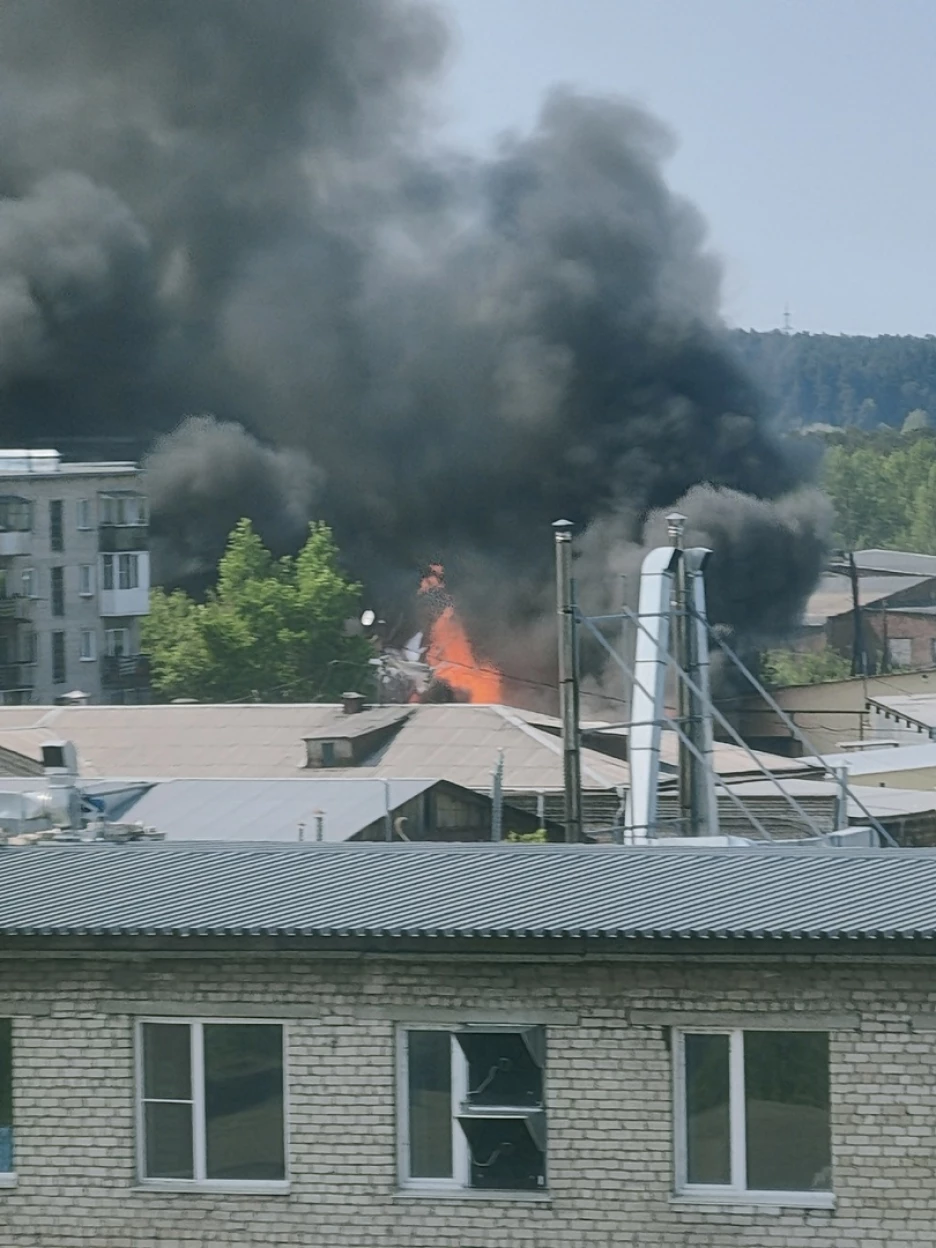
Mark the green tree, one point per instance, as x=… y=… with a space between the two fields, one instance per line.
x=793 y=667
x=271 y=630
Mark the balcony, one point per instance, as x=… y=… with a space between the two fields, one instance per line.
x=15 y=676
x=125 y=671
x=14 y=542
x=14 y=607
x=117 y=538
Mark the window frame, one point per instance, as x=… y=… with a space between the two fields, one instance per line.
x=735 y=1193
x=83 y=517
x=128 y=569
x=200 y=1183
x=91 y=655
x=460 y=1182
x=59 y=671
x=8 y=1178
x=86 y=580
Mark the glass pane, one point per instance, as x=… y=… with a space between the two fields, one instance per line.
x=502 y=1068
x=167 y=1062
x=168 y=1140
x=708 y=1127
x=786 y=1094
x=6 y=1094
x=430 y=1104
x=244 y=1101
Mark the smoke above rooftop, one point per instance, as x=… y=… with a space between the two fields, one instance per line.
x=242 y=209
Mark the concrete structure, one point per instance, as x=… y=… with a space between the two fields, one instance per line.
x=905 y=717
x=338 y=1018
x=828 y=714
x=74 y=579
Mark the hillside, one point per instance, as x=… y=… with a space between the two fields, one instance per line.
x=837 y=380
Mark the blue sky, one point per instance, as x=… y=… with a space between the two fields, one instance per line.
x=806 y=130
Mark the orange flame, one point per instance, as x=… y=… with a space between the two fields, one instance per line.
x=450 y=653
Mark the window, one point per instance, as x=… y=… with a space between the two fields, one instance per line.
x=123 y=509
x=899 y=651
x=85 y=580
x=84 y=513
x=752 y=1113
x=29 y=583
x=212 y=1102
x=56 y=536
x=58 y=591
x=107 y=577
x=128 y=571
x=6 y=1096
x=15 y=514
x=88 y=645
x=58 y=658
x=473 y=1108
x=29 y=646
x=117 y=642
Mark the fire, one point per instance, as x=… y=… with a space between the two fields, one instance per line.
x=450 y=653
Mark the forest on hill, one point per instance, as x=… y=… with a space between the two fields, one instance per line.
x=828 y=379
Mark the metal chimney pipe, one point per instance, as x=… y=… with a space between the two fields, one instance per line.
x=688 y=823
x=568 y=682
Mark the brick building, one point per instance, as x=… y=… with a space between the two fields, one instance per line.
x=502 y=1047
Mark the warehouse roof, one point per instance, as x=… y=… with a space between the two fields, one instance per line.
x=269 y=810
x=466 y=891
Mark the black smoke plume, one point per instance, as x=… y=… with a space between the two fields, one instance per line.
x=236 y=207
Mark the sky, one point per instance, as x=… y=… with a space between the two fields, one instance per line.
x=806 y=134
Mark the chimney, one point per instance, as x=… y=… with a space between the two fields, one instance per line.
x=353 y=703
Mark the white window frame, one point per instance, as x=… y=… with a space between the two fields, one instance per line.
x=30 y=583
x=460 y=1181
x=128 y=563
x=108 y=582
x=83 y=517
x=91 y=654
x=200 y=1183
x=109 y=647
x=736 y=1192
x=86 y=580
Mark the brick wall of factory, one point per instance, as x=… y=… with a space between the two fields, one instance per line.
x=610 y=1151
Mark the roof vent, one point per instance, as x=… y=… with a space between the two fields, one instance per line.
x=353 y=703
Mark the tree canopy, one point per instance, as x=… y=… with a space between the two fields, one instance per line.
x=883 y=488
x=271 y=630
x=841 y=380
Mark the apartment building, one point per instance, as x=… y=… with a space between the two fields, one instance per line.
x=74 y=579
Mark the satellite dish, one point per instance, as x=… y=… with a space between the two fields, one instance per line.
x=368 y=618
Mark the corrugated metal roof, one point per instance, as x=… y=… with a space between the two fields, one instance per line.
x=457 y=742
x=268 y=810
x=899 y=562
x=398 y=891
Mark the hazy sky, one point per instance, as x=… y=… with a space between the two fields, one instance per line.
x=806 y=129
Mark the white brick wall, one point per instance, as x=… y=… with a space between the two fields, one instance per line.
x=608 y=1089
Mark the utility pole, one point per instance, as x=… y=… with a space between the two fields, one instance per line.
x=568 y=682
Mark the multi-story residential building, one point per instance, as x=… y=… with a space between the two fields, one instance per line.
x=74 y=579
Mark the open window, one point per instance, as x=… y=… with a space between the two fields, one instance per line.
x=474 y=1108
